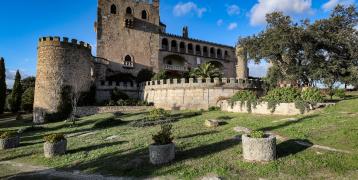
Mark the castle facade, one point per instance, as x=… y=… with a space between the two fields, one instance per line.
x=130 y=37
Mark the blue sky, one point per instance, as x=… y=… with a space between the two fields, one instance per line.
x=24 y=21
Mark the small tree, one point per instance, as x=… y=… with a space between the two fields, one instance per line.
x=2 y=85
x=28 y=99
x=144 y=75
x=28 y=82
x=16 y=94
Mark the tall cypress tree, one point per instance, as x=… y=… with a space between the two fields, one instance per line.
x=16 y=93
x=2 y=85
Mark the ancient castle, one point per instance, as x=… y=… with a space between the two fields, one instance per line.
x=130 y=37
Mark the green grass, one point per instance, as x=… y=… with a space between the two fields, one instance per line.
x=201 y=150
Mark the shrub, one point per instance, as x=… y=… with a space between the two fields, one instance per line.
x=247 y=97
x=160 y=75
x=312 y=95
x=341 y=93
x=54 y=138
x=117 y=95
x=107 y=122
x=214 y=108
x=164 y=136
x=257 y=134
x=282 y=95
x=28 y=99
x=8 y=134
x=144 y=75
x=156 y=114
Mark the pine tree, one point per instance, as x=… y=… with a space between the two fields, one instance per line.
x=16 y=93
x=2 y=85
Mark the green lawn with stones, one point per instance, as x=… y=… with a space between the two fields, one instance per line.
x=122 y=148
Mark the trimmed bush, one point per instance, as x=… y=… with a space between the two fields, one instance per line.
x=156 y=114
x=257 y=134
x=54 y=138
x=312 y=95
x=164 y=136
x=8 y=134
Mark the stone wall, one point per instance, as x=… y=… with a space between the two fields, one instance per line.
x=105 y=88
x=194 y=94
x=92 y=110
x=60 y=63
x=288 y=109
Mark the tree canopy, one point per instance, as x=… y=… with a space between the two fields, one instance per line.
x=323 y=51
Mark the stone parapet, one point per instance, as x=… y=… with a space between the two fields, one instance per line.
x=57 y=41
x=231 y=83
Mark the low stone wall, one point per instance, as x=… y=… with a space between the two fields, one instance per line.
x=261 y=108
x=194 y=94
x=92 y=110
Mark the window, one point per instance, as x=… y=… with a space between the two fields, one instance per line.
x=174 y=46
x=190 y=48
x=205 y=51
x=129 y=10
x=165 y=44
x=227 y=54
x=144 y=14
x=212 y=52
x=198 y=50
x=113 y=9
x=182 y=47
x=128 y=58
x=219 y=54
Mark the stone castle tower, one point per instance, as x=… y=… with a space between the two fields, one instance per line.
x=60 y=63
x=128 y=34
x=242 y=70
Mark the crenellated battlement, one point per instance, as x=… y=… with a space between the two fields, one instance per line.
x=57 y=41
x=231 y=83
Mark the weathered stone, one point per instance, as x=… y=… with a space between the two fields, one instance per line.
x=259 y=149
x=8 y=143
x=212 y=123
x=55 y=149
x=110 y=138
x=161 y=154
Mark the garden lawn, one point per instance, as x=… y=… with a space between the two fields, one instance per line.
x=200 y=150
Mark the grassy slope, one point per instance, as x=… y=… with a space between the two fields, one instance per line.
x=202 y=150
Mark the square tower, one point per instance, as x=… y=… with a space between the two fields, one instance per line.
x=128 y=34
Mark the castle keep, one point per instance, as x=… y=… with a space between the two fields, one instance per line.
x=130 y=37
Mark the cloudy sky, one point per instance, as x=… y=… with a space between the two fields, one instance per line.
x=24 y=21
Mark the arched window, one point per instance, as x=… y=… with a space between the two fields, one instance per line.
x=182 y=47
x=212 y=52
x=128 y=58
x=219 y=54
x=198 y=50
x=144 y=14
x=128 y=62
x=113 y=9
x=174 y=46
x=165 y=44
x=205 y=51
x=227 y=54
x=129 y=10
x=190 y=48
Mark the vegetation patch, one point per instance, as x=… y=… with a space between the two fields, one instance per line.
x=164 y=136
x=54 y=138
x=245 y=97
x=8 y=134
x=107 y=123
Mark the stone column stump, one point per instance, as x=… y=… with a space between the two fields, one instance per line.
x=259 y=149
x=55 y=149
x=11 y=142
x=161 y=154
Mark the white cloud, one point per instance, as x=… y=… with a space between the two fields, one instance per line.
x=232 y=26
x=233 y=10
x=263 y=7
x=182 y=9
x=333 y=3
x=220 y=22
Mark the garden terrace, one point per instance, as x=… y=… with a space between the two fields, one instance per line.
x=120 y=149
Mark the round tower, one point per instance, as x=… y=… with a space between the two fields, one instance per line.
x=242 y=70
x=60 y=63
